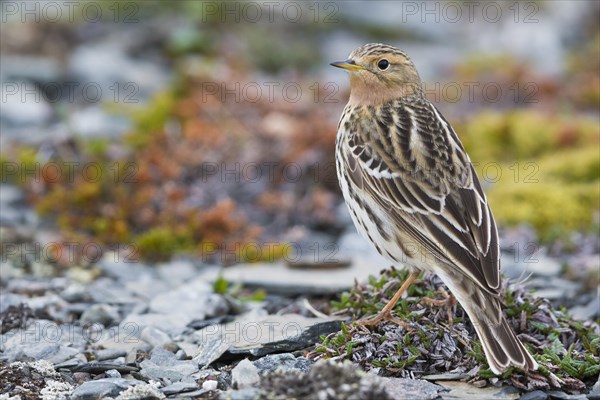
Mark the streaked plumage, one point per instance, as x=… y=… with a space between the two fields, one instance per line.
x=412 y=191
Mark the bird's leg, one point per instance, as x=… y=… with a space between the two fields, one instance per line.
x=385 y=313
x=448 y=302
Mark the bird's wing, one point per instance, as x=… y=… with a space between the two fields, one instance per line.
x=415 y=167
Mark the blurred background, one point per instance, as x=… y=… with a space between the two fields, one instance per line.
x=206 y=130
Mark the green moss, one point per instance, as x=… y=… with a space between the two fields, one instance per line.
x=421 y=341
x=159 y=244
x=151 y=118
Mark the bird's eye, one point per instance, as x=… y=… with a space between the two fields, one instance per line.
x=383 y=64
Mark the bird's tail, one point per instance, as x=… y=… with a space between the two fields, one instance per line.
x=501 y=346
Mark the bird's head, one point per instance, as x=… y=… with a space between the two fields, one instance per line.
x=379 y=73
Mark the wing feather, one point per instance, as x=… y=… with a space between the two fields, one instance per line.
x=430 y=189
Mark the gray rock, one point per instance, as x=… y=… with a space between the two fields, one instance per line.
x=179 y=387
x=72 y=363
x=30 y=68
x=260 y=335
x=594 y=395
x=194 y=299
x=75 y=292
x=10 y=299
x=212 y=347
x=535 y=395
x=25 y=113
x=93 y=121
x=244 y=375
x=10 y=195
x=39 y=341
x=106 y=290
x=112 y=373
x=107 y=63
x=177 y=272
x=120 y=269
x=242 y=394
x=352 y=244
x=99 y=367
x=285 y=362
x=101 y=388
x=565 y=396
x=173 y=323
x=586 y=312
x=542 y=265
x=466 y=391
x=103 y=314
x=154 y=336
x=403 y=388
x=124 y=338
x=554 y=288
x=109 y=354
x=163 y=365
x=278 y=278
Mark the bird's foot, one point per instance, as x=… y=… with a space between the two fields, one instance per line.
x=381 y=317
x=449 y=301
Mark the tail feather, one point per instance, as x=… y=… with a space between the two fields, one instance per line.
x=502 y=348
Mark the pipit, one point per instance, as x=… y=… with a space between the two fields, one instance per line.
x=412 y=191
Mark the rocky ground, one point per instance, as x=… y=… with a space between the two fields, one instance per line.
x=118 y=329
x=90 y=323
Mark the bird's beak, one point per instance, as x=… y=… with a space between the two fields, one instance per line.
x=349 y=65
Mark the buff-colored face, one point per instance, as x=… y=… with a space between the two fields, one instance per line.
x=379 y=72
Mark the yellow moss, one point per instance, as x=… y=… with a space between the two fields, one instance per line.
x=580 y=165
x=520 y=134
x=160 y=244
x=553 y=209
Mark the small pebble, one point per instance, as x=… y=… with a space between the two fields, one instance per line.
x=209 y=385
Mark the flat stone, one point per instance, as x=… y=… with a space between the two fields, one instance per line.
x=242 y=394
x=409 y=389
x=10 y=195
x=101 y=388
x=594 y=395
x=120 y=269
x=103 y=366
x=195 y=300
x=178 y=387
x=154 y=336
x=112 y=373
x=444 y=377
x=260 y=335
x=174 y=323
x=109 y=354
x=278 y=278
x=586 y=312
x=285 y=362
x=466 y=391
x=163 y=365
x=103 y=314
x=210 y=385
x=535 y=395
x=212 y=347
x=566 y=396
x=244 y=375
x=177 y=272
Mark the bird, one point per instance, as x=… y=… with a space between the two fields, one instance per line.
x=412 y=191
